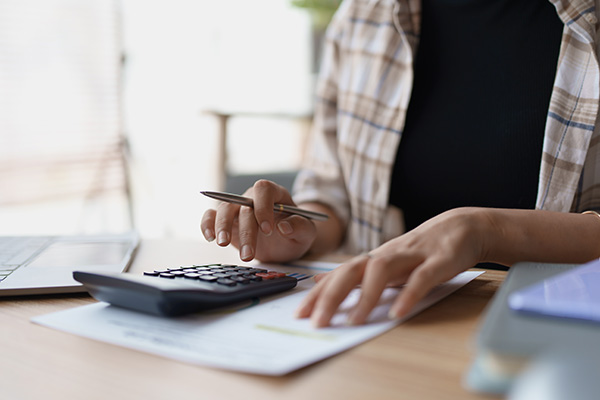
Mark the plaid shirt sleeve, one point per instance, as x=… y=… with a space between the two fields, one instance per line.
x=570 y=170
x=321 y=179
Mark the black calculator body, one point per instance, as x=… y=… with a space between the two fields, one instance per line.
x=184 y=290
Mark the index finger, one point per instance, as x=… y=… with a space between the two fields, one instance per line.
x=335 y=288
x=207 y=224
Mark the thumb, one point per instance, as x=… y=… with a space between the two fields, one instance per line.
x=296 y=228
x=321 y=276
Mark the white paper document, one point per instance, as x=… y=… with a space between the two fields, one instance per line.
x=260 y=337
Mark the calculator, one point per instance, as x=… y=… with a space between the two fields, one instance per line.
x=184 y=290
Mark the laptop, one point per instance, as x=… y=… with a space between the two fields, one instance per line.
x=32 y=265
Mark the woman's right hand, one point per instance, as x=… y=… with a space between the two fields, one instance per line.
x=260 y=232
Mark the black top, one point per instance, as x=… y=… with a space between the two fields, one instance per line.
x=484 y=72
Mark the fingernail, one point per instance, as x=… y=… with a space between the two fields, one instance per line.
x=314 y=318
x=352 y=319
x=397 y=313
x=285 y=228
x=246 y=253
x=223 y=238
x=209 y=235
x=317 y=320
x=265 y=227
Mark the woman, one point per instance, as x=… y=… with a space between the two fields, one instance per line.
x=467 y=124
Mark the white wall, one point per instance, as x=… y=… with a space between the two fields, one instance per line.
x=182 y=57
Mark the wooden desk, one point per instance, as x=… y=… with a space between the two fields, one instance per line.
x=424 y=358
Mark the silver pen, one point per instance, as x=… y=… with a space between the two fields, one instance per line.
x=247 y=201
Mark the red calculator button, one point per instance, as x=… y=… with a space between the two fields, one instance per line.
x=265 y=275
x=276 y=274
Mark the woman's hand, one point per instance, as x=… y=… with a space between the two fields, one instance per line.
x=431 y=254
x=259 y=232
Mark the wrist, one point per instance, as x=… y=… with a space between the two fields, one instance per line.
x=492 y=232
x=486 y=228
x=509 y=236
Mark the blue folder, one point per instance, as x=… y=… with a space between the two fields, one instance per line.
x=571 y=294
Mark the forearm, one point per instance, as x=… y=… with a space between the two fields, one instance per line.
x=543 y=236
x=330 y=233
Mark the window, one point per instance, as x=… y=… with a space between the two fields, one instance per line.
x=62 y=166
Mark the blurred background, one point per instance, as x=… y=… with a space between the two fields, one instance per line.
x=115 y=113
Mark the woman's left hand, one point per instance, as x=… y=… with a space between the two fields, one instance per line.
x=431 y=254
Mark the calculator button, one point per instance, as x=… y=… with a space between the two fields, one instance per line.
x=240 y=279
x=151 y=273
x=167 y=275
x=175 y=269
x=265 y=275
x=220 y=275
x=177 y=273
x=225 y=281
x=160 y=271
x=257 y=270
x=208 y=278
x=191 y=275
x=276 y=274
x=190 y=270
x=205 y=272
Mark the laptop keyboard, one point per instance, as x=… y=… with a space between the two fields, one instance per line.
x=17 y=250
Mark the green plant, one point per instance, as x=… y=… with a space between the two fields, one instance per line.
x=321 y=10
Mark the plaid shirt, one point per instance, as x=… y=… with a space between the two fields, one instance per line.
x=363 y=94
